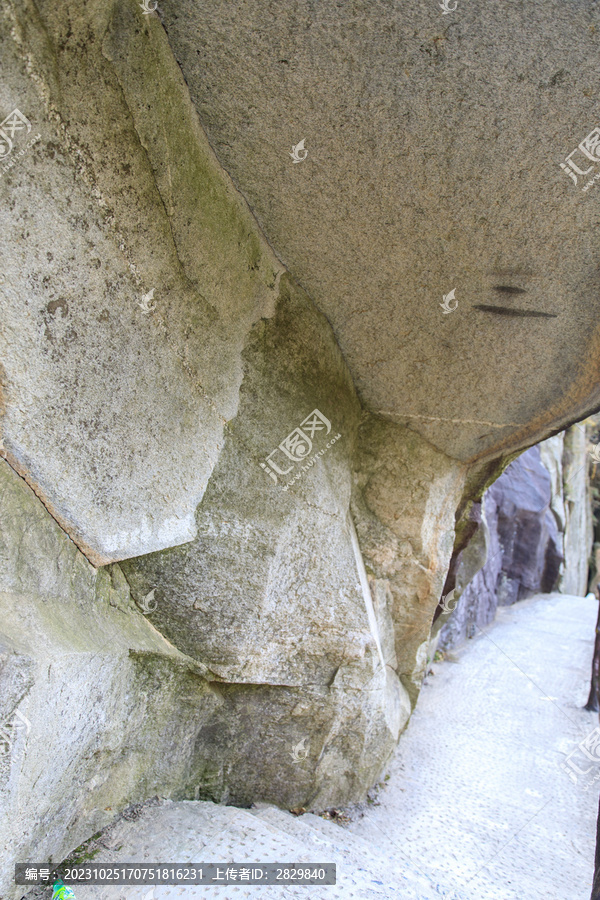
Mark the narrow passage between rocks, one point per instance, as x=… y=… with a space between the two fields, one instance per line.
x=479 y=803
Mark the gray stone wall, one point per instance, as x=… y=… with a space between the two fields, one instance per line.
x=534 y=535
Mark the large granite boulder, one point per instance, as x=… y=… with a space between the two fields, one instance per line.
x=435 y=145
x=229 y=373
x=256 y=598
x=114 y=404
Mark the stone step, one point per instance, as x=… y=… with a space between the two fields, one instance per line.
x=334 y=843
x=200 y=831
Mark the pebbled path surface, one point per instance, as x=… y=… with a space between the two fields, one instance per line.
x=477 y=796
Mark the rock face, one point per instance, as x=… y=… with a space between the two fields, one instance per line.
x=96 y=706
x=534 y=535
x=517 y=506
x=429 y=140
x=406 y=530
x=114 y=405
x=306 y=654
x=228 y=398
x=568 y=461
x=100 y=710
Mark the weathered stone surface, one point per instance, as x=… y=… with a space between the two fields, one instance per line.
x=255 y=598
x=155 y=721
x=576 y=501
x=519 y=507
x=469 y=601
x=115 y=415
x=406 y=530
x=98 y=708
x=476 y=724
x=314 y=746
x=253 y=601
x=431 y=140
x=173 y=438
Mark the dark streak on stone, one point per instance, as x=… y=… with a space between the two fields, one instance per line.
x=507 y=289
x=521 y=313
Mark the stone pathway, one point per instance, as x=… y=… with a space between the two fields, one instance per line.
x=477 y=796
x=477 y=805
x=196 y=831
